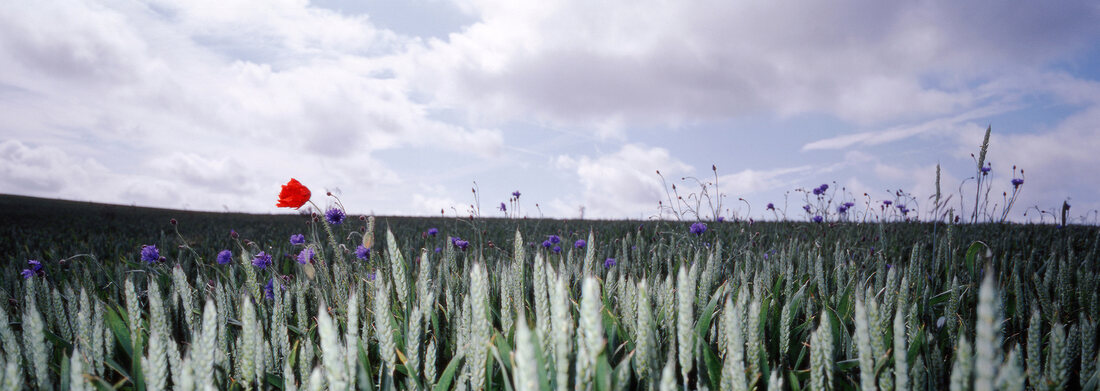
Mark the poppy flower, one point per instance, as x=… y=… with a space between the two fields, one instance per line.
x=293 y=195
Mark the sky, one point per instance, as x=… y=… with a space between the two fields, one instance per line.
x=405 y=107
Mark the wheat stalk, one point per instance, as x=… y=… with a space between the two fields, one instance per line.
x=590 y=338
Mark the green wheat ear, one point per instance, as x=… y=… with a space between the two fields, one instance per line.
x=985 y=147
x=937 y=205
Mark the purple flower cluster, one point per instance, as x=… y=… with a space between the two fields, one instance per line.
x=821 y=189
x=461 y=244
x=608 y=263
x=225 y=257
x=261 y=260
x=150 y=254
x=335 y=216
x=269 y=289
x=770 y=206
x=555 y=239
x=305 y=256
x=503 y=208
x=580 y=244
x=433 y=231
x=806 y=208
x=887 y=202
x=988 y=167
x=515 y=194
x=556 y=249
x=297 y=239
x=818 y=219
x=362 y=253
x=34 y=269
x=903 y=209
x=698 y=228
x=1016 y=182
x=843 y=208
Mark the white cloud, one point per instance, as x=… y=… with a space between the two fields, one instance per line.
x=1059 y=163
x=750 y=182
x=223 y=97
x=623 y=183
x=425 y=205
x=46 y=171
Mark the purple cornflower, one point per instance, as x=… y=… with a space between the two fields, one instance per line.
x=304 y=256
x=269 y=289
x=149 y=253
x=818 y=219
x=986 y=169
x=770 y=206
x=225 y=257
x=556 y=249
x=721 y=218
x=503 y=208
x=34 y=269
x=515 y=194
x=887 y=202
x=335 y=216
x=608 y=263
x=433 y=231
x=1016 y=182
x=580 y=244
x=903 y=209
x=806 y=208
x=842 y=209
x=262 y=260
x=698 y=228
x=849 y=204
x=297 y=239
x=555 y=239
x=362 y=253
x=437 y=250
x=461 y=244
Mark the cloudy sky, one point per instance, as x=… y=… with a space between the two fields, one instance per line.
x=400 y=106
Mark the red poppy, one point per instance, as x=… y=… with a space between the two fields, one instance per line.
x=293 y=195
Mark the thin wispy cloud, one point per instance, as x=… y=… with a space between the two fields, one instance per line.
x=940 y=125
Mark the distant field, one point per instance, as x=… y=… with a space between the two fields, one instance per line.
x=537 y=304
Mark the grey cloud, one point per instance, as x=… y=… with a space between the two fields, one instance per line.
x=863 y=61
